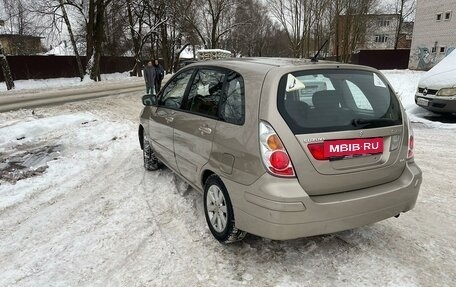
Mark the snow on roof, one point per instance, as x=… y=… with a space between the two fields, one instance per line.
x=210 y=54
x=441 y=75
x=213 y=51
x=62 y=49
x=186 y=53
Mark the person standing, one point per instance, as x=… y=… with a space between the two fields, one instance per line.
x=159 y=74
x=149 y=77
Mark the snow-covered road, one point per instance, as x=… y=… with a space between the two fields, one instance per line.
x=92 y=216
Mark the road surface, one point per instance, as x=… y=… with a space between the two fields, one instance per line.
x=111 y=223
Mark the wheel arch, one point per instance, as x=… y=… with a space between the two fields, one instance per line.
x=205 y=175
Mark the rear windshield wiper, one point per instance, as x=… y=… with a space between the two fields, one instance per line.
x=363 y=121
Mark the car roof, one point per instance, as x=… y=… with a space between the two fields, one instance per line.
x=262 y=65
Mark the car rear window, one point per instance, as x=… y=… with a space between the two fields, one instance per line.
x=335 y=100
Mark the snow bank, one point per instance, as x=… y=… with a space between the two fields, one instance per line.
x=61 y=82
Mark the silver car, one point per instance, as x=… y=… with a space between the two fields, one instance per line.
x=437 y=87
x=284 y=148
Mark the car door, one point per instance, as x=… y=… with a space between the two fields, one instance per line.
x=162 y=117
x=194 y=126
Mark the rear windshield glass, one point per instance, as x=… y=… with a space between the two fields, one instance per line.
x=336 y=100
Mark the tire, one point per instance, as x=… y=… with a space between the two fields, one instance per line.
x=151 y=162
x=219 y=212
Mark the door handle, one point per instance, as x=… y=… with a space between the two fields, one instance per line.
x=205 y=130
x=169 y=119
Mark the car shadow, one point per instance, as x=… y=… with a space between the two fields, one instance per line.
x=447 y=118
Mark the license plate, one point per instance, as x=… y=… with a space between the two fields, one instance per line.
x=422 y=102
x=353 y=147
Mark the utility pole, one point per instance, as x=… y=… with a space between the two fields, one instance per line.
x=6 y=70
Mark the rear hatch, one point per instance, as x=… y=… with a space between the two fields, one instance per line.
x=346 y=127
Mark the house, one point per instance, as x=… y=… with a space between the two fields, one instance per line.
x=434 y=34
x=375 y=32
x=381 y=30
x=18 y=45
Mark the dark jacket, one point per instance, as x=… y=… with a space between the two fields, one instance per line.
x=149 y=75
x=159 y=71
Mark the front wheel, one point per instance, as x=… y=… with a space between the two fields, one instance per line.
x=219 y=212
x=150 y=160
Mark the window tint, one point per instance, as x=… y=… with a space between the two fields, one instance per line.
x=233 y=102
x=205 y=92
x=175 y=90
x=348 y=100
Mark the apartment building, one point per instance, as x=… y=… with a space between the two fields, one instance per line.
x=434 y=34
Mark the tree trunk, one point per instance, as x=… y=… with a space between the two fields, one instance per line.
x=399 y=26
x=73 y=41
x=137 y=71
x=98 y=40
x=6 y=70
x=89 y=32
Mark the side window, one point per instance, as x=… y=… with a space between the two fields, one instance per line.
x=175 y=90
x=232 y=108
x=359 y=98
x=205 y=92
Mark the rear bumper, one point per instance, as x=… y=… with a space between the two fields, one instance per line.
x=280 y=209
x=435 y=103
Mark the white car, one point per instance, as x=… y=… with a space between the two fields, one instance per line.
x=437 y=88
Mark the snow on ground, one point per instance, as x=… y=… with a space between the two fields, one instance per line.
x=95 y=217
x=21 y=85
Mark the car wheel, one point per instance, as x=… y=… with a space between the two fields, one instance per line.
x=151 y=162
x=219 y=212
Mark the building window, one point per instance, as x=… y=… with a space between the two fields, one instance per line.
x=383 y=22
x=442 y=49
x=448 y=15
x=433 y=50
x=439 y=17
x=381 y=38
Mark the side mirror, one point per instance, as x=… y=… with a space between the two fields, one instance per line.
x=149 y=100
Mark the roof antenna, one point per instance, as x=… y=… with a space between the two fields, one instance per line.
x=314 y=59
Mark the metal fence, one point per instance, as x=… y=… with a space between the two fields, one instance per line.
x=381 y=59
x=45 y=67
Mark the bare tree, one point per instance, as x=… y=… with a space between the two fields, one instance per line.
x=249 y=37
x=351 y=25
x=290 y=14
x=17 y=17
x=72 y=39
x=54 y=12
x=404 y=9
x=6 y=70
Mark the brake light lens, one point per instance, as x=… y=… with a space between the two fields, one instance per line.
x=274 y=155
x=318 y=151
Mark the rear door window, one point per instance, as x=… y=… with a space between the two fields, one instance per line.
x=336 y=100
x=232 y=106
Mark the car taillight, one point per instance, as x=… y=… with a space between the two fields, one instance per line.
x=318 y=151
x=411 y=142
x=273 y=153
